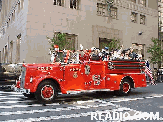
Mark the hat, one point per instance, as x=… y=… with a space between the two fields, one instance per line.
x=103 y=50
x=93 y=49
x=56 y=47
x=106 y=48
x=81 y=47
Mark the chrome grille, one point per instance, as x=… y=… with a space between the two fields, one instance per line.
x=22 y=81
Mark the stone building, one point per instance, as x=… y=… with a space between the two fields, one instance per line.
x=25 y=24
x=160 y=15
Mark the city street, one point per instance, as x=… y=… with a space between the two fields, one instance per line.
x=79 y=46
x=78 y=108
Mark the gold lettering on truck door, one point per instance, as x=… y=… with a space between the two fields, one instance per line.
x=75 y=75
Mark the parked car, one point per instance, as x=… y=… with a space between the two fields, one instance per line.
x=9 y=72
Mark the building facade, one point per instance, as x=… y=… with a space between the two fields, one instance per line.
x=160 y=23
x=25 y=25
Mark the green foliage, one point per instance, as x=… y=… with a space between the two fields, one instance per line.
x=60 y=40
x=112 y=44
x=155 y=51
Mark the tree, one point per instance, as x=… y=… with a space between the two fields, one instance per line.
x=60 y=40
x=155 y=51
x=112 y=44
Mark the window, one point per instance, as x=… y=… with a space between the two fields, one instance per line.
x=18 y=48
x=161 y=29
x=22 y=4
x=8 y=20
x=58 y=2
x=11 y=50
x=74 y=4
x=103 y=42
x=3 y=53
x=114 y=12
x=6 y=54
x=18 y=6
x=0 y=5
x=70 y=40
x=3 y=31
x=13 y=16
x=7 y=24
x=161 y=22
x=134 y=17
x=142 y=2
x=142 y=19
x=0 y=57
x=133 y=1
x=102 y=9
x=159 y=14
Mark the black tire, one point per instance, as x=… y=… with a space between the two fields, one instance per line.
x=31 y=95
x=125 y=88
x=46 y=92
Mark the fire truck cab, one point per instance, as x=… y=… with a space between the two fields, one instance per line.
x=45 y=81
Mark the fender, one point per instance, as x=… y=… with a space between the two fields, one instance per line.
x=138 y=79
x=132 y=79
x=40 y=78
x=113 y=81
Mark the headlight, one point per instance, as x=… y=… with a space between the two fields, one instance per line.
x=20 y=77
x=16 y=81
x=31 y=80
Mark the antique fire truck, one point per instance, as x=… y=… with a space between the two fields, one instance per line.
x=45 y=81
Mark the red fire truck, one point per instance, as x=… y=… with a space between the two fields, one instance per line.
x=45 y=81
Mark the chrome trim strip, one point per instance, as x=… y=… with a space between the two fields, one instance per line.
x=133 y=73
x=87 y=91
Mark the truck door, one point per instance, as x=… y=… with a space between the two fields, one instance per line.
x=73 y=77
x=94 y=75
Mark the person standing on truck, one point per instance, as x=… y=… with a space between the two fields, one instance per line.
x=119 y=52
x=132 y=54
x=126 y=54
x=105 y=54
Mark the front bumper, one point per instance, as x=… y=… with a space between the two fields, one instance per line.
x=21 y=90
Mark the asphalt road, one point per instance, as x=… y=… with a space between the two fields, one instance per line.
x=14 y=107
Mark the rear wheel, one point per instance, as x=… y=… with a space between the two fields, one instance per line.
x=46 y=92
x=125 y=88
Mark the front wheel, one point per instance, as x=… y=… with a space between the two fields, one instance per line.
x=125 y=88
x=46 y=92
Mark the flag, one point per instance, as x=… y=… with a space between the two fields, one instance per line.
x=148 y=70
